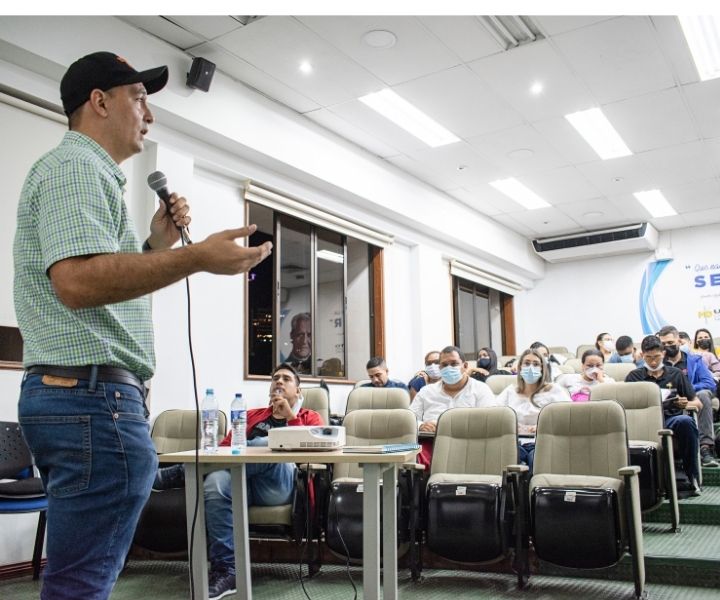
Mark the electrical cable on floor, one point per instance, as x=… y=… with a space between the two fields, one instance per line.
x=347 y=554
x=304 y=545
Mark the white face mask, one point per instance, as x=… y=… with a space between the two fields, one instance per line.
x=609 y=345
x=433 y=371
x=591 y=372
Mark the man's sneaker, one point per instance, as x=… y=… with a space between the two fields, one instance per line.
x=167 y=478
x=706 y=457
x=221 y=584
x=695 y=488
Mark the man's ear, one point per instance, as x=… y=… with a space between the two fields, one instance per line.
x=98 y=102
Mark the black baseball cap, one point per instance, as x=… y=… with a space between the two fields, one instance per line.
x=104 y=70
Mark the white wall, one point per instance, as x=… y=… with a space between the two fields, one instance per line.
x=577 y=300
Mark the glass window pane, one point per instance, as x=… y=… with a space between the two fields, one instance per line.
x=466 y=328
x=295 y=330
x=260 y=297
x=358 y=328
x=482 y=322
x=330 y=313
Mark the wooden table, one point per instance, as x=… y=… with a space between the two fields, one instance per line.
x=373 y=465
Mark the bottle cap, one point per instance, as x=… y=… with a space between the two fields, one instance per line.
x=238 y=395
x=209 y=391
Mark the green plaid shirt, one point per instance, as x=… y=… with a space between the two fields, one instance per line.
x=72 y=205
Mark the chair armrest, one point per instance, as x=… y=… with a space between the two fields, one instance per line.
x=413 y=467
x=629 y=471
x=518 y=468
x=313 y=467
x=665 y=432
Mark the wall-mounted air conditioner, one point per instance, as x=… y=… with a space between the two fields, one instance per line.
x=641 y=237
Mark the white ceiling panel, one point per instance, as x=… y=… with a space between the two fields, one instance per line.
x=475 y=201
x=511 y=222
x=703 y=100
x=458 y=100
x=712 y=151
x=701 y=217
x=652 y=121
x=511 y=74
x=628 y=207
x=565 y=140
x=618 y=59
x=436 y=178
x=334 y=79
x=519 y=150
x=209 y=27
x=552 y=25
x=667 y=223
x=252 y=76
x=594 y=213
x=546 y=221
x=165 y=30
x=675 y=49
x=417 y=51
x=678 y=164
x=559 y=186
x=699 y=195
x=350 y=132
x=624 y=175
x=464 y=35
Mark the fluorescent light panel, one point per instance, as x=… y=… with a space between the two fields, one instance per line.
x=655 y=203
x=597 y=131
x=405 y=115
x=523 y=195
x=703 y=38
x=335 y=257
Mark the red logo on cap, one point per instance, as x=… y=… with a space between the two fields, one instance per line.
x=122 y=60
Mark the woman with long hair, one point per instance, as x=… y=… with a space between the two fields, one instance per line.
x=593 y=372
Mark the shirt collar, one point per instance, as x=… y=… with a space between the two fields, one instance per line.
x=75 y=138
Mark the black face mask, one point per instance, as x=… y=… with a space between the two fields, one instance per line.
x=704 y=344
x=672 y=351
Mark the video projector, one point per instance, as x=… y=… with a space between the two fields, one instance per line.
x=307 y=437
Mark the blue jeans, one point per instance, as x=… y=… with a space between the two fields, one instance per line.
x=685 y=431
x=269 y=484
x=526 y=455
x=97 y=463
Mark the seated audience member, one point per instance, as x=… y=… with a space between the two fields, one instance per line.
x=527 y=396
x=378 y=373
x=455 y=388
x=685 y=341
x=431 y=373
x=544 y=351
x=605 y=343
x=268 y=484
x=625 y=352
x=705 y=347
x=703 y=384
x=578 y=384
x=486 y=365
x=673 y=384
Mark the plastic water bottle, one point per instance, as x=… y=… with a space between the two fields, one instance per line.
x=238 y=418
x=209 y=411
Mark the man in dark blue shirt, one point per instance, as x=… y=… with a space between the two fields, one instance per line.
x=673 y=381
x=378 y=373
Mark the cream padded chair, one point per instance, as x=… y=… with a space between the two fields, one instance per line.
x=316 y=398
x=343 y=531
x=573 y=363
x=619 y=371
x=582 y=348
x=567 y=369
x=558 y=350
x=504 y=359
x=585 y=499
x=474 y=477
x=498 y=383
x=174 y=430
x=372 y=397
x=361 y=383
x=650 y=444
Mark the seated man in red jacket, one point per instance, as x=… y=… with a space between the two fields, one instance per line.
x=268 y=484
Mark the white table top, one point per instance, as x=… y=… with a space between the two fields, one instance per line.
x=265 y=455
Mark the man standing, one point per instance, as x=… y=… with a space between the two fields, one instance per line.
x=379 y=375
x=455 y=388
x=701 y=380
x=81 y=299
x=673 y=384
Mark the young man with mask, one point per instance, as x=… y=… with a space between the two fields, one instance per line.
x=625 y=352
x=455 y=388
x=702 y=382
x=672 y=381
x=431 y=373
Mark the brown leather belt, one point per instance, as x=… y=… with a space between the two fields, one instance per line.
x=103 y=373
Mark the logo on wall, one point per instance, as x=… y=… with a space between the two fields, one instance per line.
x=650 y=318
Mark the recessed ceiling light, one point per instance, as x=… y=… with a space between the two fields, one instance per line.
x=461 y=167
x=411 y=119
x=593 y=125
x=593 y=214
x=523 y=195
x=703 y=37
x=520 y=154
x=536 y=88
x=617 y=179
x=306 y=67
x=655 y=203
x=380 y=38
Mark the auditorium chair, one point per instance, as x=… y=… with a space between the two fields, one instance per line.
x=618 y=371
x=584 y=497
x=344 y=513
x=582 y=348
x=377 y=397
x=476 y=489
x=650 y=444
x=575 y=364
x=498 y=383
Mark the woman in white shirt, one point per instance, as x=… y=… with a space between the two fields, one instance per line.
x=532 y=391
x=578 y=384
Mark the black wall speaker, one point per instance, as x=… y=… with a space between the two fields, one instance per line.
x=201 y=74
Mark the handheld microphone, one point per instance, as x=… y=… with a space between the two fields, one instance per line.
x=158 y=184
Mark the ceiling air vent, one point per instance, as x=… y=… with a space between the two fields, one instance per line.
x=641 y=237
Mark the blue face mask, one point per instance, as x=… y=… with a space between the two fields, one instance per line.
x=626 y=358
x=531 y=374
x=483 y=363
x=450 y=374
